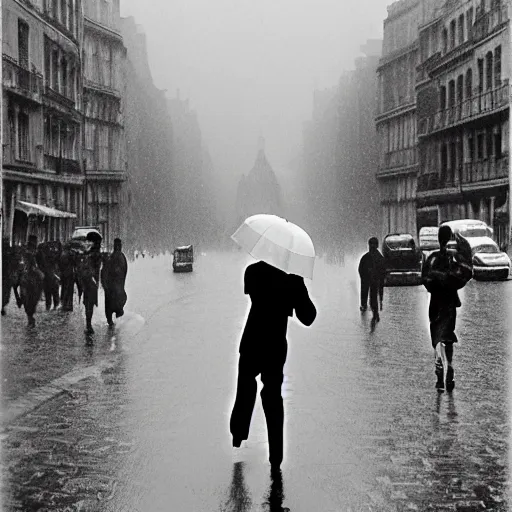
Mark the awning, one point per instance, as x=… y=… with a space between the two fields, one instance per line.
x=45 y=211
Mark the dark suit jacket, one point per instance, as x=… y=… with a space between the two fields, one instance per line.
x=275 y=296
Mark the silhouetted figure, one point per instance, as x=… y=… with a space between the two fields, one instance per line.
x=12 y=270
x=275 y=295
x=113 y=278
x=89 y=276
x=31 y=283
x=67 y=267
x=47 y=257
x=442 y=276
x=372 y=272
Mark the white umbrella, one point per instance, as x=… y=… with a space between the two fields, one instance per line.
x=278 y=242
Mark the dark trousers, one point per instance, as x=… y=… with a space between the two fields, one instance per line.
x=270 y=366
x=51 y=291
x=66 y=292
x=367 y=287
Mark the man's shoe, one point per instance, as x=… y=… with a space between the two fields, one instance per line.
x=237 y=442
x=450 y=383
x=440 y=380
x=363 y=308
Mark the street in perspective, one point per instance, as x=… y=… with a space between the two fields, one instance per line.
x=256 y=256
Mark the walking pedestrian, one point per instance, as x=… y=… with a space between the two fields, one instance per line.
x=442 y=275
x=31 y=282
x=372 y=272
x=274 y=295
x=113 y=278
x=89 y=276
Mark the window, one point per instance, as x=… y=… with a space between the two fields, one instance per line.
x=47 y=60
x=56 y=10
x=442 y=97
x=480 y=75
x=23 y=130
x=452 y=34
x=460 y=88
x=451 y=93
x=444 y=161
x=489 y=70
x=469 y=83
x=489 y=143
x=445 y=40
x=497 y=142
x=22 y=44
x=497 y=66
x=63 y=13
x=64 y=79
x=55 y=70
x=461 y=28
x=480 y=146
x=471 y=148
x=469 y=23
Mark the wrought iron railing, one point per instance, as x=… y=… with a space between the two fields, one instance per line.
x=61 y=165
x=21 y=80
x=479 y=104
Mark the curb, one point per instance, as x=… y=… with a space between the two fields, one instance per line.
x=36 y=397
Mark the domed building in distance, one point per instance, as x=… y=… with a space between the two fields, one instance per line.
x=259 y=191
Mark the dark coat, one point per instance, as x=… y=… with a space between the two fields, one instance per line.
x=113 y=278
x=275 y=296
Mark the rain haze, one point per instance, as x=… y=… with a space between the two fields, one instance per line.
x=250 y=68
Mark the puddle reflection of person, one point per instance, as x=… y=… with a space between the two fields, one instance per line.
x=239 y=499
x=275 y=496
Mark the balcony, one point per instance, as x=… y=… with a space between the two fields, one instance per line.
x=62 y=99
x=61 y=165
x=489 y=21
x=477 y=106
x=480 y=174
x=400 y=158
x=21 y=81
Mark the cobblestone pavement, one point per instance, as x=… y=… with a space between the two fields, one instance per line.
x=365 y=431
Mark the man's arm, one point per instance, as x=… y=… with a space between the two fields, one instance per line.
x=305 y=310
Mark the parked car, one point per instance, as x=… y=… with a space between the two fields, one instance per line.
x=402 y=260
x=428 y=241
x=489 y=263
x=469 y=228
x=183 y=258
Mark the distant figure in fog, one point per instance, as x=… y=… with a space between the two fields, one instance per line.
x=443 y=274
x=31 y=283
x=113 y=278
x=89 y=276
x=372 y=272
x=67 y=264
x=47 y=257
x=275 y=295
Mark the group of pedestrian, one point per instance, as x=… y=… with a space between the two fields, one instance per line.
x=443 y=274
x=55 y=269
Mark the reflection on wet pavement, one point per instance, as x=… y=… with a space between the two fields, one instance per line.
x=365 y=428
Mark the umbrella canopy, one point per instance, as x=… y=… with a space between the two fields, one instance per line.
x=278 y=242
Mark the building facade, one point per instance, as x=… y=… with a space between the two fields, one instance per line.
x=43 y=119
x=396 y=117
x=463 y=96
x=104 y=150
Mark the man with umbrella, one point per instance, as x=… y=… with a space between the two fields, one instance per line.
x=277 y=290
x=89 y=277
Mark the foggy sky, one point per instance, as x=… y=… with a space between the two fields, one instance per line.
x=250 y=66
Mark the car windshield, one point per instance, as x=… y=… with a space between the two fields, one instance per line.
x=469 y=231
x=486 y=248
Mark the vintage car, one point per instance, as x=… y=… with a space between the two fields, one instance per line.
x=402 y=260
x=81 y=232
x=489 y=263
x=469 y=228
x=183 y=258
x=428 y=241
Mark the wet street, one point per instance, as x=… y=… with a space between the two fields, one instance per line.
x=137 y=418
